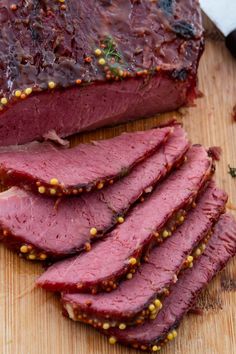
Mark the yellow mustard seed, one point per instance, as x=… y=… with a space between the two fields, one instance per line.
x=4 y=100
x=174 y=332
x=198 y=252
x=42 y=256
x=112 y=340
x=170 y=336
x=41 y=190
x=129 y=276
x=106 y=326
x=53 y=191
x=54 y=182
x=98 y=52
x=152 y=308
x=52 y=84
x=157 y=303
x=132 y=261
x=102 y=61
x=32 y=257
x=120 y=220
x=18 y=93
x=61 y=1
x=100 y=185
x=28 y=91
x=24 y=249
x=122 y=326
x=93 y=231
x=189 y=259
x=156 y=348
x=203 y=247
x=181 y=218
x=165 y=234
x=191 y=265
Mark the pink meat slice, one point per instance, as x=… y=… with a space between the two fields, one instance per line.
x=158 y=273
x=63 y=230
x=78 y=169
x=109 y=259
x=221 y=248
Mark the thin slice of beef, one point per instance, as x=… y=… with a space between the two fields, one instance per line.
x=139 y=298
x=119 y=254
x=49 y=170
x=72 y=223
x=85 y=64
x=221 y=247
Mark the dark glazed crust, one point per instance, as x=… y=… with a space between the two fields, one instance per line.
x=53 y=44
x=151 y=56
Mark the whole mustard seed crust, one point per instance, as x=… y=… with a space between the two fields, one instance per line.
x=151 y=311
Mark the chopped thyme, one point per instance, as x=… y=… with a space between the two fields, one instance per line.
x=110 y=50
x=232 y=171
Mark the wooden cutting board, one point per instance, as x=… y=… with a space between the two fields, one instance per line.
x=31 y=320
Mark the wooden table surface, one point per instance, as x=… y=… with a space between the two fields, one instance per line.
x=31 y=320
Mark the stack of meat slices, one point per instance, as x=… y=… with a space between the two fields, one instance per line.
x=133 y=228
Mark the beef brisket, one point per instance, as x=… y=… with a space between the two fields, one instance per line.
x=46 y=169
x=154 y=334
x=119 y=254
x=86 y=64
x=134 y=300
x=75 y=222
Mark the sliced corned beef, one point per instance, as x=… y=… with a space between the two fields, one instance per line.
x=49 y=230
x=153 y=334
x=85 y=64
x=49 y=170
x=119 y=254
x=139 y=298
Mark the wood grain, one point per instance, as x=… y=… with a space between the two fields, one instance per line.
x=31 y=321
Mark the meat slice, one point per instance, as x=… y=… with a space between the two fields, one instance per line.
x=153 y=334
x=53 y=171
x=119 y=254
x=139 y=298
x=49 y=230
x=71 y=67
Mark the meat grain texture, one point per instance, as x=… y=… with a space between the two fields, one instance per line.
x=66 y=68
x=109 y=260
x=47 y=169
x=51 y=230
x=221 y=248
x=157 y=273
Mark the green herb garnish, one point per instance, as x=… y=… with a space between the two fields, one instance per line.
x=110 y=50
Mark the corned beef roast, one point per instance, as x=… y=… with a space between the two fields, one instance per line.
x=49 y=170
x=73 y=223
x=79 y=65
x=141 y=297
x=152 y=335
x=148 y=223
